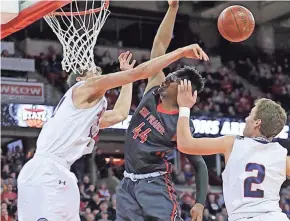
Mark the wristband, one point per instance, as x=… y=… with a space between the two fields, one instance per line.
x=184 y=112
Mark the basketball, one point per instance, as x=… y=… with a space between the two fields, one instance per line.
x=236 y=23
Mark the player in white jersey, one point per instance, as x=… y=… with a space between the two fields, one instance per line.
x=256 y=167
x=47 y=190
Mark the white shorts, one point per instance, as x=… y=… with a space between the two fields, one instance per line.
x=47 y=190
x=272 y=216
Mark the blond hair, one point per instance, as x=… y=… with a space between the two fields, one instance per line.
x=272 y=116
x=72 y=78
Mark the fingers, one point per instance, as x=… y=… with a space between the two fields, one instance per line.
x=186 y=86
x=133 y=63
x=195 y=52
x=194 y=217
x=123 y=56
x=199 y=53
x=202 y=54
x=129 y=58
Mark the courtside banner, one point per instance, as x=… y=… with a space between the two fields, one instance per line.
x=29 y=115
x=211 y=126
x=25 y=115
x=27 y=92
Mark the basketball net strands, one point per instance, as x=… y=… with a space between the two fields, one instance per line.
x=78 y=31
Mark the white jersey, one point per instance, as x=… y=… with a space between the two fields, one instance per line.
x=253 y=176
x=69 y=133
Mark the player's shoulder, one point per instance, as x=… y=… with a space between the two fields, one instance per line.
x=240 y=137
x=152 y=91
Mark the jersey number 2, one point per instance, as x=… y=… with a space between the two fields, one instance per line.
x=248 y=192
x=143 y=136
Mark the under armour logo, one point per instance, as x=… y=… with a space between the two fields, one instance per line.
x=61 y=182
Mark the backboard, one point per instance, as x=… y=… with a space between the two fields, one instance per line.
x=17 y=14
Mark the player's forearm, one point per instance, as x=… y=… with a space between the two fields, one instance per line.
x=184 y=137
x=164 y=33
x=123 y=103
x=201 y=177
x=155 y=65
x=142 y=71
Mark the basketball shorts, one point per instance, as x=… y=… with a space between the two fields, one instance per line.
x=271 y=216
x=47 y=191
x=150 y=199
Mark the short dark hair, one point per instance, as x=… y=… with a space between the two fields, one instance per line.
x=190 y=73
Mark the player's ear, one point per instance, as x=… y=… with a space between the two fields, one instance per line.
x=78 y=79
x=258 y=123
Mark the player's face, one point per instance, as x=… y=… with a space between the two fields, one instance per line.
x=169 y=87
x=252 y=126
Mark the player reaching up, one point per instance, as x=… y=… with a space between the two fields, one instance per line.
x=255 y=166
x=147 y=190
x=47 y=190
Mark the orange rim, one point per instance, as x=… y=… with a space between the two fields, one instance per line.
x=81 y=12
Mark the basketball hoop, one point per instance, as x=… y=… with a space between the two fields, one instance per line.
x=78 y=31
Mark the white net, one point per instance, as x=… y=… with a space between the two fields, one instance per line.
x=78 y=32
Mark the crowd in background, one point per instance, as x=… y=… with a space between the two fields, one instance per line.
x=97 y=202
x=223 y=95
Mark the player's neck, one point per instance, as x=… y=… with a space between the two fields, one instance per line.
x=258 y=135
x=168 y=105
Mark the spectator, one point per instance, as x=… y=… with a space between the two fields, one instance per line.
x=188 y=174
x=104 y=216
x=95 y=202
x=220 y=218
x=5 y=172
x=207 y=216
x=86 y=181
x=9 y=196
x=103 y=192
x=213 y=207
x=91 y=190
x=107 y=59
x=103 y=209
x=224 y=213
x=112 y=208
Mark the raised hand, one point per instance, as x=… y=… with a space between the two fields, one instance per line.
x=197 y=212
x=173 y=3
x=124 y=60
x=195 y=52
x=185 y=98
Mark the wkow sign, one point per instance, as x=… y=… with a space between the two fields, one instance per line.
x=22 y=91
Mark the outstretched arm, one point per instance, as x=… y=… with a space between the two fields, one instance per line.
x=201 y=178
x=162 y=41
x=185 y=142
x=100 y=84
x=122 y=107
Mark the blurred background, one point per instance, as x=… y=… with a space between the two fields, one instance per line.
x=32 y=83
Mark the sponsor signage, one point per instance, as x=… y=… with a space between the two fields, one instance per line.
x=29 y=115
x=22 y=92
x=25 y=115
x=213 y=127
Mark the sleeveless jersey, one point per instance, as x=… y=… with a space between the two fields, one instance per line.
x=69 y=133
x=253 y=176
x=149 y=137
